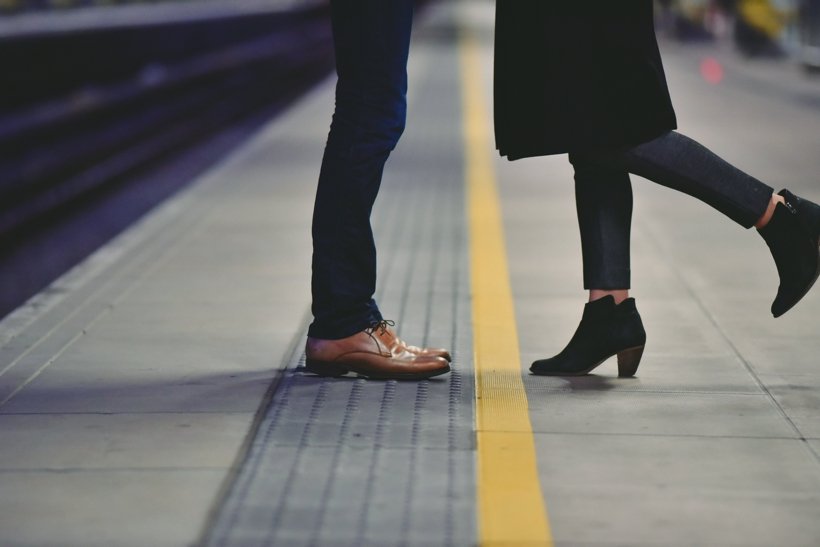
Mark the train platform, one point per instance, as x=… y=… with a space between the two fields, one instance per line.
x=65 y=19
x=155 y=395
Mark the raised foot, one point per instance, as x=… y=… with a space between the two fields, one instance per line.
x=793 y=237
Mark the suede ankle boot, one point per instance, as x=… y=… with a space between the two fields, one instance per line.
x=606 y=329
x=793 y=236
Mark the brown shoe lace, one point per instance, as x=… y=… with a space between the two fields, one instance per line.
x=381 y=327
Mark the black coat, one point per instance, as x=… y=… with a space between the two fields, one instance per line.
x=573 y=75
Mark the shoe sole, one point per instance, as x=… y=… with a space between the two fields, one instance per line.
x=628 y=361
x=335 y=370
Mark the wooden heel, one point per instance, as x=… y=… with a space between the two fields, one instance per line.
x=628 y=361
x=322 y=368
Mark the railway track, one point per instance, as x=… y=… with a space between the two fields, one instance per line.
x=100 y=124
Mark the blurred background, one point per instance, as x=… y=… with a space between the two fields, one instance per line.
x=773 y=28
x=110 y=106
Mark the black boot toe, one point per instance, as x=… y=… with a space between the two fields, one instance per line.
x=793 y=237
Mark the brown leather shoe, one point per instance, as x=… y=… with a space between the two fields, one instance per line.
x=365 y=354
x=387 y=336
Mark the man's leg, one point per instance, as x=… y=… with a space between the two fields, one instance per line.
x=372 y=39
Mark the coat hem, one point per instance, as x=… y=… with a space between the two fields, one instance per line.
x=545 y=149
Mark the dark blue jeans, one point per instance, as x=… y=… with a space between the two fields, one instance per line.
x=603 y=197
x=372 y=40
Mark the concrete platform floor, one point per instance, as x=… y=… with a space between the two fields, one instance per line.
x=154 y=396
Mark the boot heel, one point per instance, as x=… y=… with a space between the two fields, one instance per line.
x=322 y=368
x=628 y=361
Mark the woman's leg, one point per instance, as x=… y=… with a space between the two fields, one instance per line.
x=603 y=199
x=611 y=324
x=678 y=162
x=789 y=224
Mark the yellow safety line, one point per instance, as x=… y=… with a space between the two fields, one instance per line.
x=511 y=508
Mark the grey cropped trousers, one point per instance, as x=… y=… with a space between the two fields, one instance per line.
x=603 y=197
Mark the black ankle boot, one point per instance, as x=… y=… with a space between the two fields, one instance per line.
x=606 y=329
x=793 y=236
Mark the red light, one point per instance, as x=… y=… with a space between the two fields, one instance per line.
x=711 y=70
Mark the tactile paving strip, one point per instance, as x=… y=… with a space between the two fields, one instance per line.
x=358 y=462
